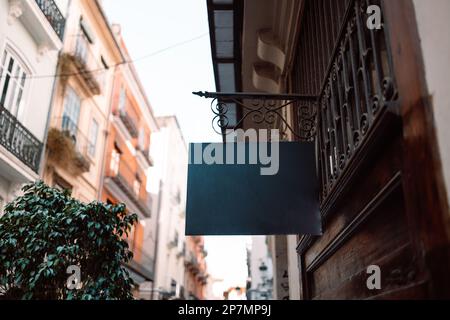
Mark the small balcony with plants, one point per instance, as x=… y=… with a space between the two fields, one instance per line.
x=69 y=147
x=82 y=61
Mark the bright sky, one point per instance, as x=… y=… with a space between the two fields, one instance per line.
x=175 y=33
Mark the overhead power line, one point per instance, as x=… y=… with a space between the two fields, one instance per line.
x=155 y=53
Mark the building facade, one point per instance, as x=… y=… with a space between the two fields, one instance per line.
x=371 y=75
x=81 y=102
x=127 y=160
x=31 y=34
x=260 y=270
x=171 y=166
x=196 y=274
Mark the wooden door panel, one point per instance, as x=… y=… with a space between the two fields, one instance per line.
x=369 y=183
x=375 y=198
x=381 y=231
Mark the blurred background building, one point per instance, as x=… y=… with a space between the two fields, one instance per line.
x=81 y=103
x=126 y=166
x=74 y=113
x=260 y=285
x=170 y=152
x=196 y=276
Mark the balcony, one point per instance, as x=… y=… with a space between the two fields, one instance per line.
x=202 y=278
x=181 y=253
x=86 y=65
x=142 y=264
x=125 y=180
x=203 y=251
x=173 y=244
x=15 y=138
x=69 y=147
x=53 y=16
x=42 y=18
x=144 y=158
x=128 y=120
x=192 y=264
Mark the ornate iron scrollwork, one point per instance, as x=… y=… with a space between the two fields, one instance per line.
x=264 y=109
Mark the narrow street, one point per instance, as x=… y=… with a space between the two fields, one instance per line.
x=242 y=151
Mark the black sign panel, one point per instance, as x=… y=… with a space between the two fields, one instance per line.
x=229 y=193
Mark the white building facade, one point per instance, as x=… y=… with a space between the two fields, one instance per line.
x=31 y=33
x=261 y=270
x=170 y=154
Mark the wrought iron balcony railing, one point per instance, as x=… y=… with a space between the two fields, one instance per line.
x=145 y=153
x=19 y=140
x=349 y=68
x=82 y=144
x=129 y=123
x=358 y=89
x=53 y=15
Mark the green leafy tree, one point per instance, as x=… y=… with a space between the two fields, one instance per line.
x=45 y=231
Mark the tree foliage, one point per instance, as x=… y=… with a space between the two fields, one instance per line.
x=45 y=231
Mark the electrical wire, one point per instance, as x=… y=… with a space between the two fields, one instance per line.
x=114 y=65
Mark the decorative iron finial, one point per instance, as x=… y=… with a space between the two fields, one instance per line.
x=201 y=94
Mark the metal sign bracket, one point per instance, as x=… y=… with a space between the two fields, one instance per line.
x=264 y=109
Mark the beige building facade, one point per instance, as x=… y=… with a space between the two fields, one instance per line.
x=81 y=102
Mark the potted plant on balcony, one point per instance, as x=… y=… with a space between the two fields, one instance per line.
x=62 y=149
x=53 y=246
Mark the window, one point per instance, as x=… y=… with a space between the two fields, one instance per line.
x=141 y=139
x=93 y=134
x=84 y=40
x=86 y=30
x=81 y=49
x=115 y=162
x=72 y=105
x=103 y=74
x=137 y=186
x=104 y=64
x=13 y=81
x=173 y=287
x=122 y=99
